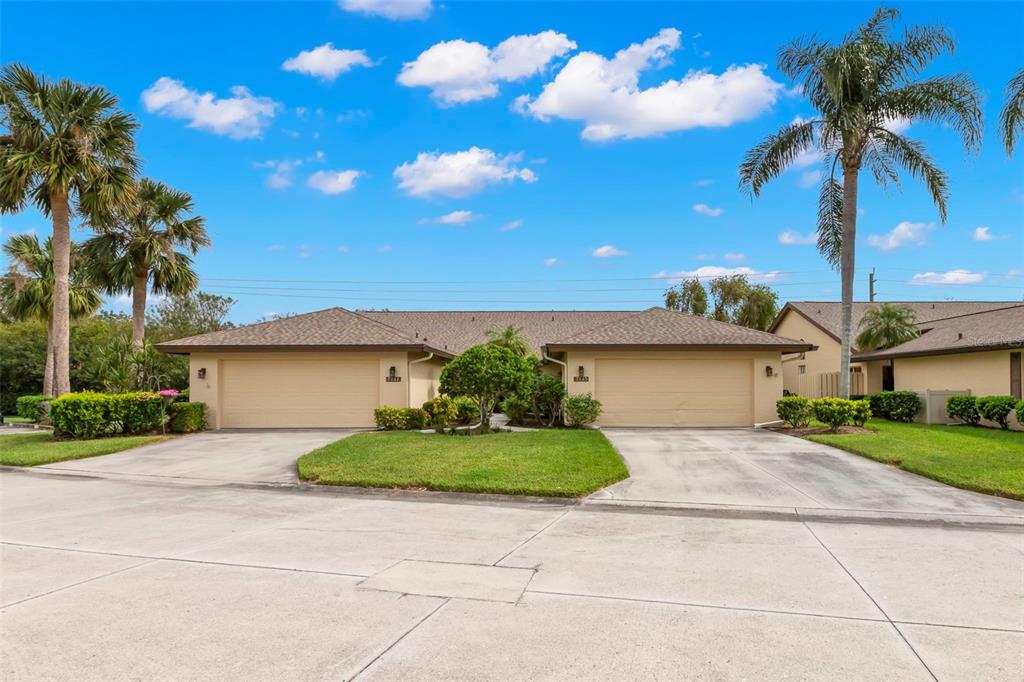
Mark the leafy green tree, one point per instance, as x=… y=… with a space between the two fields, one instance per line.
x=30 y=282
x=184 y=315
x=66 y=148
x=510 y=337
x=134 y=249
x=485 y=373
x=689 y=296
x=1011 y=119
x=728 y=293
x=22 y=360
x=887 y=325
x=758 y=308
x=864 y=88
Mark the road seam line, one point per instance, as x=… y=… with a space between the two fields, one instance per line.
x=405 y=634
x=80 y=582
x=527 y=540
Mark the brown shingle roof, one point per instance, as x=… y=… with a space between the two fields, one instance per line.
x=455 y=331
x=989 y=330
x=826 y=314
x=331 y=328
x=667 y=328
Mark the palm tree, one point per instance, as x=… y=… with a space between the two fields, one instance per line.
x=887 y=325
x=30 y=280
x=65 y=148
x=864 y=90
x=510 y=337
x=1011 y=119
x=134 y=249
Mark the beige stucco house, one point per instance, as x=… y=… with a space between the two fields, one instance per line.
x=812 y=373
x=331 y=368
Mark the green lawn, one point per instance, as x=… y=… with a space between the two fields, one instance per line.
x=986 y=460
x=555 y=463
x=15 y=419
x=39 y=447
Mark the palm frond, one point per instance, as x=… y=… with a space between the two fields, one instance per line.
x=911 y=156
x=1011 y=118
x=951 y=101
x=774 y=154
x=830 y=219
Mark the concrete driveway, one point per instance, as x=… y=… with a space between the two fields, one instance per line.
x=212 y=457
x=758 y=468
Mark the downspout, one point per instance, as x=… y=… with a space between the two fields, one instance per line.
x=408 y=386
x=565 y=368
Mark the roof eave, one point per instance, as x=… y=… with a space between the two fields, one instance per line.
x=782 y=348
x=182 y=349
x=865 y=357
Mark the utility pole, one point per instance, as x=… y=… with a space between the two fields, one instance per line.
x=871 y=286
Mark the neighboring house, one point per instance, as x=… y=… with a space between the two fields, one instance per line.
x=818 y=322
x=979 y=352
x=331 y=368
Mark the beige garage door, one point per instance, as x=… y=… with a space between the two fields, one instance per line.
x=675 y=392
x=298 y=393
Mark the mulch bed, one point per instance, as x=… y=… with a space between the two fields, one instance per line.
x=813 y=430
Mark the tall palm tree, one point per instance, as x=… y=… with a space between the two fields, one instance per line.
x=1011 y=119
x=510 y=337
x=134 y=249
x=862 y=89
x=65 y=148
x=30 y=279
x=887 y=325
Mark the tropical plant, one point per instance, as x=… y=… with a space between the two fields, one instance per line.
x=485 y=373
x=121 y=367
x=30 y=278
x=865 y=93
x=887 y=325
x=510 y=337
x=1011 y=119
x=134 y=250
x=689 y=296
x=65 y=148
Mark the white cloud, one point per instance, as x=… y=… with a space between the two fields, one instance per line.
x=276 y=247
x=511 y=225
x=706 y=272
x=454 y=218
x=903 y=234
x=896 y=125
x=984 y=234
x=399 y=10
x=794 y=238
x=326 y=61
x=305 y=250
x=459 y=174
x=241 y=116
x=706 y=182
x=809 y=178
x=281 y=172
x=704 y=209
x=386 y=248
x=949 y=277
x=459 y=71
x=608 y=251
x=343 y=249
x=734 y=257
x=550 y=261
x=333 y=182
x=605 y=94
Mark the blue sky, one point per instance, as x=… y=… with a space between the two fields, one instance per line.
x=422 y=160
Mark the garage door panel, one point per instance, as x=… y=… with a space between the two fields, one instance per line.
x=675 y=392
x=298 y=393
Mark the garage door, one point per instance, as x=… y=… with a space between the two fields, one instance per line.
x=675 y=392
x=298 y=393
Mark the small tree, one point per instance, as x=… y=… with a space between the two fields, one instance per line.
x=485 y=373
x=887 y=325
x=688 y=297
x=509 y=337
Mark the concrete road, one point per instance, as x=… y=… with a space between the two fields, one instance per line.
x=104 y=576
x=214 y=456
x=757 y=468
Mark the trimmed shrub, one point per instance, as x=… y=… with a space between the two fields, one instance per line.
x=1020 y=412
x=795 y=410
x=81 y=415
x=31 y=406
x=581 y=410
x=861 y=412
x=389 y=418
x=467 y=409
x=517 y=409
x=835 y=412
x=415 y=418
x=996 y=408
x=441 y=411
x=964 y=408
x=136 y=412
x=899 y=406
x=187 y=417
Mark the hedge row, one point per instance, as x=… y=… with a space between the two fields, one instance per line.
x=897 y=406
x=88 y=414
x=31 y=407
x=797 y=411
x=996 y=408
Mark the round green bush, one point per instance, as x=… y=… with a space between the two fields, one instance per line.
x=795 y=410
x=581 y=410
x=31 y=406
x=997 y=408
x=964 y=408
x=835 y=412
x=861 y=412
x=187 y=417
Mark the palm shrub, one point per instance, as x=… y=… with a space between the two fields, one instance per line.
x=67 y=148
x=795 y=410
x=996 y=408
x=964 y=408
x=887 y=325
x=835 y=412
x=864 y=88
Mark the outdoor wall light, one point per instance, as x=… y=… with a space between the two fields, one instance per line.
x=580 y=372
x=391 y=372
x=768 y=371
x=392 y=375
x=201 y=373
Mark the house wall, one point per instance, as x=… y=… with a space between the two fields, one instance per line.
x=424 y=379
x=765 y=390
x=823 y=360
x=393 y=393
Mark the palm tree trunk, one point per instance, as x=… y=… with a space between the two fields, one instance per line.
x=139 y=309
x=60 y=319
x=48 y=371
x=847 y=270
